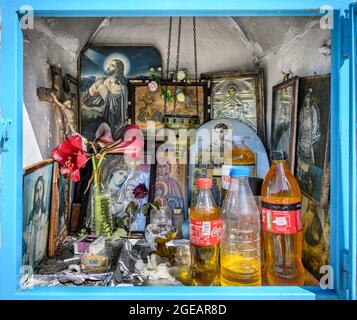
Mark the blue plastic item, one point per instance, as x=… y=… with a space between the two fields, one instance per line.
x=239 y=171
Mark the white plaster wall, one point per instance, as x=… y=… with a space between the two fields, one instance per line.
x=220 y=44
x=31 y=151
x=51 y=42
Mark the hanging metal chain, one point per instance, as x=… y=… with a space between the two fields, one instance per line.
x=178 y=44
x=177 y=59
x=168 y=50
x=195 y=60
x=168 y=59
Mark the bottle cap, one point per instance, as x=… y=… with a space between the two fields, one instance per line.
x=204 y=183
x=278 y=155
x=240 y=172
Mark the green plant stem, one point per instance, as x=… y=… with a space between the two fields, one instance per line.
x=94 y=148
x=102 y=155
x=97 y=200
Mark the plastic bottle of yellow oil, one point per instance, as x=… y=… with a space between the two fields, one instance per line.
x=281 y=212
x=205 y=226
x=240 y=234
x=239 y=155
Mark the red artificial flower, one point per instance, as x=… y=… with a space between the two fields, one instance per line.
x=140 y=191
x=132 y=145
x=134 y=131
x=132 y=148
x=71 y=156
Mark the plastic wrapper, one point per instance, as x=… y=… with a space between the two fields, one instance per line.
x=130 y=254
x=136 y=265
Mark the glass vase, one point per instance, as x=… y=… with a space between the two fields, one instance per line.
x=100 y=211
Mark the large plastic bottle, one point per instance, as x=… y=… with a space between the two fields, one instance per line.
x=240 y=156
x=281 y=215
x=240 y=235
x=204 y=236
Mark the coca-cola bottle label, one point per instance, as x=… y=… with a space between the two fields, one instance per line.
x=281 y=218
x=226 y=169
x=204 y=233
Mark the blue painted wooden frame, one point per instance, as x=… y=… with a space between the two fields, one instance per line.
x=343 y=145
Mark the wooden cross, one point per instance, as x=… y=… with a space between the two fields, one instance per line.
x=60 y=87
x=57 y=95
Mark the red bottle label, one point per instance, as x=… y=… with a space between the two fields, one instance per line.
x=226 y=169
x=281 y=218
x=205 y=233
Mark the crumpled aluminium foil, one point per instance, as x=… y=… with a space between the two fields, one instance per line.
x=66 y=278
x=64 y=268
x=126 y=273
x=60 y=272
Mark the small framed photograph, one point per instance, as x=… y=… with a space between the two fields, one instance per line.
x=130 y=185
x=313 y=138
x=150 y=106
x=284 y=118
x=238 y=95
x=60 y=209
x=37 y=192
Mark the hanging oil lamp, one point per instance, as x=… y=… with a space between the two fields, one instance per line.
x=174 y=119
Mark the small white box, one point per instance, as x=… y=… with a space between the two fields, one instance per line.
x=97 y=246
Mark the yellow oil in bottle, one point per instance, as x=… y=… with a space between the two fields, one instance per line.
x=283 y=249
x=238 y=155
x=204 y=249
x=240 y=270
x=240 y=262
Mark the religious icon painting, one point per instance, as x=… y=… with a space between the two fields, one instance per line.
x=146 y=105
x=284 y=118
x=103 y=91
x=316 y=236
x=37 y=192
x=129 y=186
x=238 y=95
x=312 y=168
x=171 y=183
x=60 y=209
